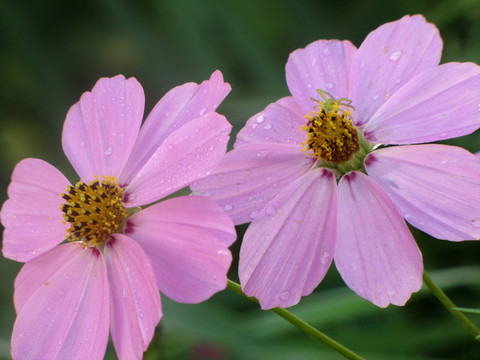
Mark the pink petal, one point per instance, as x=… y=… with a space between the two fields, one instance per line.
x=388 y=58
x=67 y=316
x=280 y=122
x=100 y=130
x=187 y=240
x=286 y=254
x=32 y=277
x=251 y=175
x=31 y=216
x=436 y=188
x=321 y=65
x=188 y=154
x=376 y=254
x=179 y=106
x=135 y=302
x=423 y=110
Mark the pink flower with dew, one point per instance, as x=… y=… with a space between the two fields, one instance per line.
x=116 y=257
x=312 y=175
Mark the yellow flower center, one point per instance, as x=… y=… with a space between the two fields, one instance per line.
x=330 y=133
x=94 y=210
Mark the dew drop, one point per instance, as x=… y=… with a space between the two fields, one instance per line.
x=269 y=210
x=329 y=85
x=375 y=97
x=325 y=258
x=253 y=214
x=395 y=55
x=260 y=119
x=262 y=154
x=167 y=113
x=398 y=81
x=246 y=172
x=326 y=51
x=476 y=223
x=267 y=126
x=211 y=147
x=202 y=111
x=284 y=295
x=108 y=151
x=228 y=207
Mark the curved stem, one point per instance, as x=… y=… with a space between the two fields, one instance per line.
x=302 y=326
x=450 y=306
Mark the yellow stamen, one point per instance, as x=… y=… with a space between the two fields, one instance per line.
x=94 y=210
x=331 y=134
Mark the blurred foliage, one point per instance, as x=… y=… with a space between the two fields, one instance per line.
x=52 y=51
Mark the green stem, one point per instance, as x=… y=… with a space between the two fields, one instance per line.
x=450 y=306
x=302 y=326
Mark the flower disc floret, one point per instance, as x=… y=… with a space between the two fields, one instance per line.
x=331 y=134
x=94 y=210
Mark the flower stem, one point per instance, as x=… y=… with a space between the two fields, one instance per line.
x=302 y=326
x=450 y=306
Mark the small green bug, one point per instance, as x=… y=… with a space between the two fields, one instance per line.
x=328 y=102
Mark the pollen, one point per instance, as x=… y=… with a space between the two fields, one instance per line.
x=94 y=210
x=331 y=136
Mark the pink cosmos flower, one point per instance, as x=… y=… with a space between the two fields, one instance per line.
x=312 y=175
x=108 y=272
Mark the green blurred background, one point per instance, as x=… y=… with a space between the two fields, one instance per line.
x=52 y=51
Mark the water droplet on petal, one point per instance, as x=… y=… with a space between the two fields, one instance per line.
x=395 y=55
x=202 y=111
x=108 y=151
x=260 y=118
x=325 y=258
x=375 y=97
x=476 y=223
x=329 y=85
x=262 y=154
x=390 y=292
x=253 y=214
x=267 y=126
x=270 y=210
x=284 y=295
x=167 y=113
x=228 y=207
x=326 y=51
